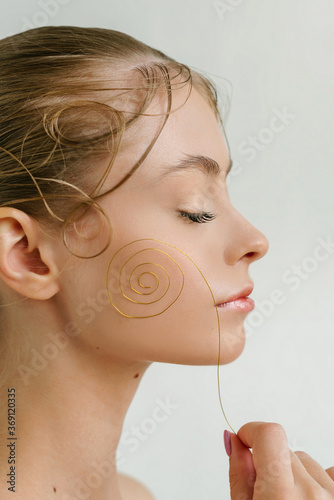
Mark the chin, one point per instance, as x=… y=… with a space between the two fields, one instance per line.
x=232 y=344
x=209 y=355
x=231 y=353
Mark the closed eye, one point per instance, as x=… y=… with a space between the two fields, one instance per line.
x=199 y=217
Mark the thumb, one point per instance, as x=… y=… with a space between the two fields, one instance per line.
x=242 y=473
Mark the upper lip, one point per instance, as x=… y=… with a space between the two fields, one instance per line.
x=247 y=290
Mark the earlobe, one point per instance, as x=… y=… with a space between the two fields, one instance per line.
x=27 y=262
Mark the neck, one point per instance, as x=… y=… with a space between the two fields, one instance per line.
x=69 y=418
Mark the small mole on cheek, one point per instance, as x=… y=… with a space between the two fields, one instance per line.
x=54 y=489
x=136 y=376
x=97 y=347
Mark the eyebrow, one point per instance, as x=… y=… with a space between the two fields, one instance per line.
x=204 y=164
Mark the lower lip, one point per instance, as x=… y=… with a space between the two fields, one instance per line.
x=244 y=304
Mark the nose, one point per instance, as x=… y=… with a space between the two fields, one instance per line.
x=247 y=243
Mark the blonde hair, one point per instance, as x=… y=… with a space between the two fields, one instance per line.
x=54 y=130
x=67 y=97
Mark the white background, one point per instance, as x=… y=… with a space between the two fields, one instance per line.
x=271 y=56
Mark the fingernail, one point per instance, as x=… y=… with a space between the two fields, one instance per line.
x=227 y=442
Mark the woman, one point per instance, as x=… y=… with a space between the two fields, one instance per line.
x=119 y=247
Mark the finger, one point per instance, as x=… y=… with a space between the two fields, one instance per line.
x=330 y=472
x=304 y=466
x=242 y=472
x=313 y=469
x=271 y=455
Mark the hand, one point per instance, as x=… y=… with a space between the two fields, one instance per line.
x=273 y=471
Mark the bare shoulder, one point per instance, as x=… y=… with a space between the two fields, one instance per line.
x=132 y=489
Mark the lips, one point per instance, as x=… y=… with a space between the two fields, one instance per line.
x=242 y=294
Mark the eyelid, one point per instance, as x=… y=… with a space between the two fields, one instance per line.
x=198 y=217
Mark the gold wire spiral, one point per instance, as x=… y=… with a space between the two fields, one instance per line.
x=147 y=293
x=156 y=288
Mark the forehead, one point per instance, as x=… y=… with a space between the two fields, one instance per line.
x=192 y=130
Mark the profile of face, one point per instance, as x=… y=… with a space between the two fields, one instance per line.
x=166 y=270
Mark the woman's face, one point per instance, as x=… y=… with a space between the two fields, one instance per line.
x=160 y=287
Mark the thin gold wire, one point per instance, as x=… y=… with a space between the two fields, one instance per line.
x=152 y=263
x=141 y=293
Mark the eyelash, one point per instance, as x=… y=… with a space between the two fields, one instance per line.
x=201 y=217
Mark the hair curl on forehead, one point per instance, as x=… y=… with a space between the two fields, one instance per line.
x=70 y=98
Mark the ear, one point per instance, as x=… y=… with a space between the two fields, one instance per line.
x=27 y=257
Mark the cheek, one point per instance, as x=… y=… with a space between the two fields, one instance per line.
x=144 y=279
x=160 y=309
x=163 y=312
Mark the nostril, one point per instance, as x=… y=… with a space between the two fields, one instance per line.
x=250 y=254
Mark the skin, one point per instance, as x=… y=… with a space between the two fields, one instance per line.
x=78 y=402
